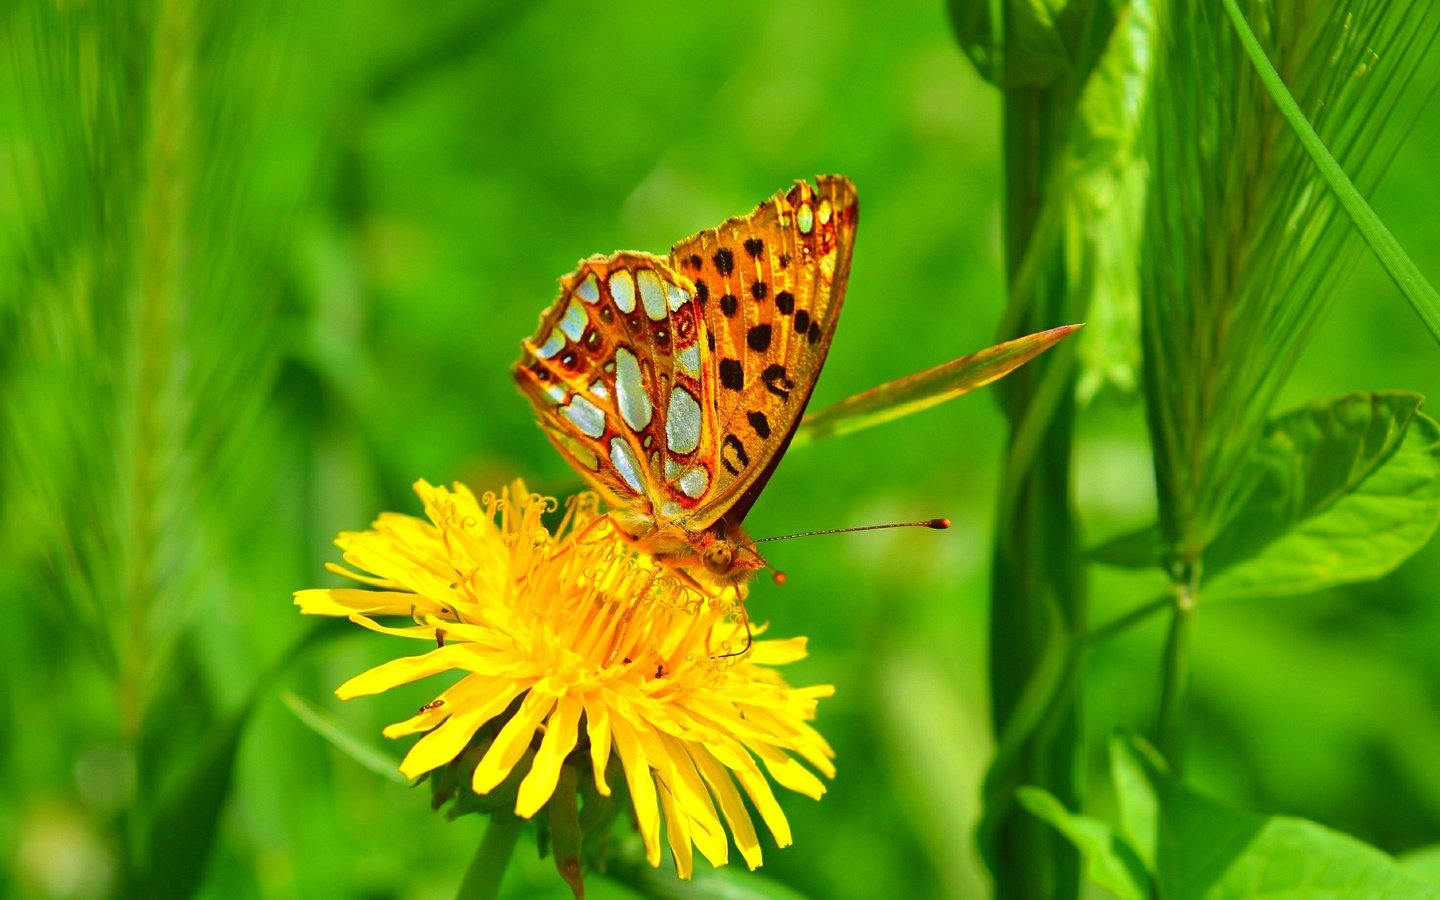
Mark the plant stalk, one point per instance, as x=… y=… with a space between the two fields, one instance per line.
x=1175 y=687
x=1035 y=585
x=487 y=867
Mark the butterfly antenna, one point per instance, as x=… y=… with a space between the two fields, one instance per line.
x=938 y=524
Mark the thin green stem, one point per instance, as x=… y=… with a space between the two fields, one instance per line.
x=1175 y=687
x=492 y=858
x=1423 y=298
x=1126 y=622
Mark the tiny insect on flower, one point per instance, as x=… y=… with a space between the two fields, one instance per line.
x=573 y=646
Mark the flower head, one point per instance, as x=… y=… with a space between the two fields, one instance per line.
x=588 y=647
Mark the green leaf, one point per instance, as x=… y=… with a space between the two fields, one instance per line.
x=356 y=748
x=1392 y=256
x=1140 y=549
x=1344 y=491
x=1110 y=861
x=1107 y=171
x=922 y=390
x=1424 y=862
x=1201 y=848
x=1034 y=52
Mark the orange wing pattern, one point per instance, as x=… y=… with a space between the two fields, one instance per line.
x=673 y=386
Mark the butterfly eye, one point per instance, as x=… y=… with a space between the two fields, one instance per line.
x=719 y=558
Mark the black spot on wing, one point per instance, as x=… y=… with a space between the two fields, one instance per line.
x=760 y=424
x=724 y=261
x=732 y=455
x=732 y=374
x=778 y=381
x=758 y=338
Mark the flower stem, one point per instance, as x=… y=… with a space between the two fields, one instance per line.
x=1175 y=687
x=492 y=858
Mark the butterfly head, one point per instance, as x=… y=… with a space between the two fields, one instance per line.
x=728 y=560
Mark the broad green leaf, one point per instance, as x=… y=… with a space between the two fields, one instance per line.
x=1407 y=276
x=1345 y=491
x=1202 y=849
x=922 y=390
x=356 y=748
x=1110 y=861
x=1424 y=862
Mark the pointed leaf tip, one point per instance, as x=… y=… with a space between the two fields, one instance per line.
x=931 y=387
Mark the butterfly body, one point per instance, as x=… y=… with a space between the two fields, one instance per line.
x=674 y=384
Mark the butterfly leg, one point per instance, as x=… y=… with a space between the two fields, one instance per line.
x=745 y=620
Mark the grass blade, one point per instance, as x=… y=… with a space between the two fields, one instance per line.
x=922 y=390
x=1402 y=269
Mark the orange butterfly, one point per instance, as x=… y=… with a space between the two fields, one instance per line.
x=674 y=385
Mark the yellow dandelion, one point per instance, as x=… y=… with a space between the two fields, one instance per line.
x=589 y=647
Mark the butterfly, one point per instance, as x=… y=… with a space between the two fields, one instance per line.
x=673 y=384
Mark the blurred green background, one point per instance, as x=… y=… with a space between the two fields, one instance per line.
x=262 y=266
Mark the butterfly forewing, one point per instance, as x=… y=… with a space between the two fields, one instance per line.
x=771 y=285
x=616 y=374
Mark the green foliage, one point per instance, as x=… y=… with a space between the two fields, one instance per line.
x=1195 y=847
x=1343 y=491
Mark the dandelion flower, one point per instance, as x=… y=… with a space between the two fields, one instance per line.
x=573 y=646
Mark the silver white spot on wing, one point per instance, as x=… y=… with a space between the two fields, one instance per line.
x=553 y=345
x=672 y=468
x=600 y=390
x=651 y=294
x=670 y=509
x=694 y=483
x=676 y=296
x=622 y=288
x=626 y=464
x=574 y=321
x=586 y=416
x=589 y=289
x=805 y=218
x=688 y=361
x=555 y=392
x=682 y=422
x=630 y=394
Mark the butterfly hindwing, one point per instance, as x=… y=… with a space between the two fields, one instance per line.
x=616 y=374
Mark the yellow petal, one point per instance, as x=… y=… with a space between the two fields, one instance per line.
x=445 y=743
x=731 y=804
x=789 y=773
x=597 y=726
x=642 y=788
x=403 y=671
x=677 y=834
x=562 y=732
x=345 y=601
x=694 y=801
x=512 y=742
x=777 y=653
